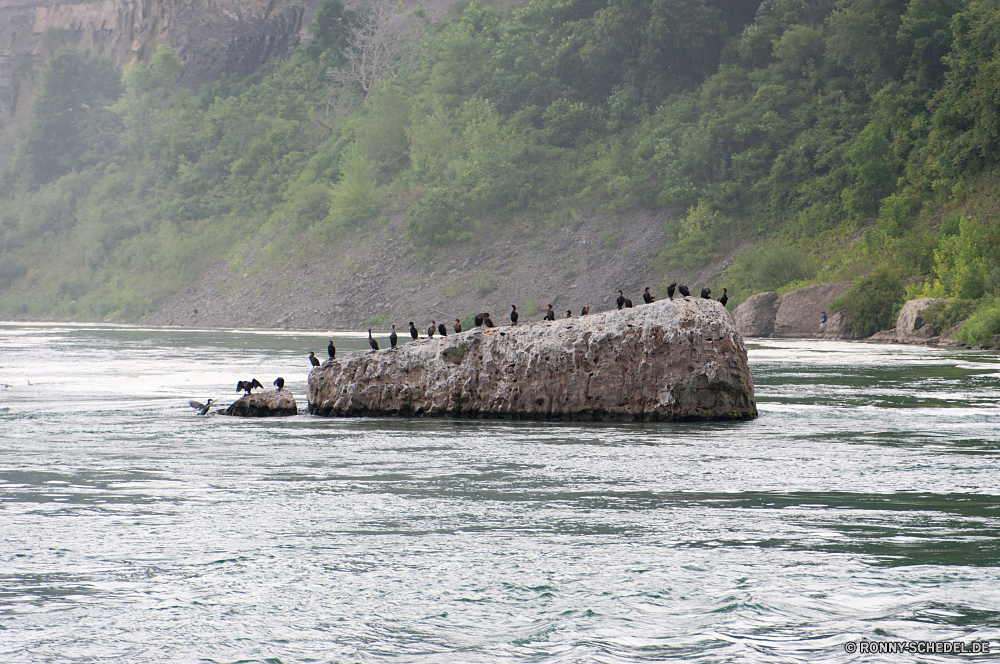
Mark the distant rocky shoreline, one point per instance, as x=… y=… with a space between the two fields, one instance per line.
x=796 y=315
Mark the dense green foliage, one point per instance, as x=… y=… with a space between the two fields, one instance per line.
x=789 y=121
x=872 y=303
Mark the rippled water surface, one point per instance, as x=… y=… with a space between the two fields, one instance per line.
x=863 y=503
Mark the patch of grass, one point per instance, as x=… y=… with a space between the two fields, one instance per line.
x=609 y=240
x=377 y=321
x=530 y=307
x=980 y=329
x=469 y=320
x=942 y=316
x=484 y=284
x=872 y=303
x=453 y=291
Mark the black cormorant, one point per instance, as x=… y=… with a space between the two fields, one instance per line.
x=331 y=350
x=479 y=320
x=279 y=382
x=202 y=408
x=458 y=326
x=371 y=340
x=706 y=293
x=620 y=300
x=647 y=297
x=487 y=320
x=513 y=315
x=628 y=303
x=413 y=331
x=430 y=330
x=313 y=359
x=248 y=385
x=442 y=329
x=724 y=298
x=549 y=313
x=683 y=290
x=393 y=338
x=670 y=290
x=569 y=314
x=585 y=310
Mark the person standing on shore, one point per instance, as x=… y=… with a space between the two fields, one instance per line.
x=822 y=321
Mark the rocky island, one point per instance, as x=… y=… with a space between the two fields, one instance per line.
x=671 y=360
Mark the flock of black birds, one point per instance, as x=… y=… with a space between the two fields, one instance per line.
x=484 y=318
x=245 y=386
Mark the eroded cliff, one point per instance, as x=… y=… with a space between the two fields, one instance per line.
x=211 y=38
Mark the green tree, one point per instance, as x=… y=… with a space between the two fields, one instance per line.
x=71 y=127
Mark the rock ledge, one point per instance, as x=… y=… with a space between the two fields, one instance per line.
x=671 y=360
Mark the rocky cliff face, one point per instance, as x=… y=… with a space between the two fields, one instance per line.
x=670 y=360
x=212 y=38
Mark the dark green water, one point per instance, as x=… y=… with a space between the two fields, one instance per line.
x=862 y=504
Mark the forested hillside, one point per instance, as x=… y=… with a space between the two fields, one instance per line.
x=807 y=140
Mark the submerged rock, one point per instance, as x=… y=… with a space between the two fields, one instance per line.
x=670 y=360
x=275 y=403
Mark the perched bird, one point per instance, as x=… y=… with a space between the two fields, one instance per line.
x=430 y=330
x=202 y=408
x=549 y=313
x=620 y=300
x=393 y=338
x=683 y=290
x=513 y=315
x=585 y=310
x=647 y=297
x=569 y=314
x=487 y=320
x=442 y=329
x=248 y=385
x=332 y=350
x=479 y=320
x=279 y=382
x=670 y=290
x=628 y=303
x=706 y=293
x=724 y=298
x=371 y=340
x=457 y=325
x=313 y=359
x=413 y=331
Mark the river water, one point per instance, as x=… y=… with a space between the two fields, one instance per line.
x=862 y=504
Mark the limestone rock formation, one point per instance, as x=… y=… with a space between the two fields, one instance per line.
x=754 y=316
x=671 y=360
x=273 y=403
x=799 y=311
x=211 y=38
x=910 y=320
x=910 y=327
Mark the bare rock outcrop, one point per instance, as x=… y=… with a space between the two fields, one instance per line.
x=754 y=316
x=211 y=38
x=671 y=360
x=273 y=403
x=910 y=320
x=799 y=311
